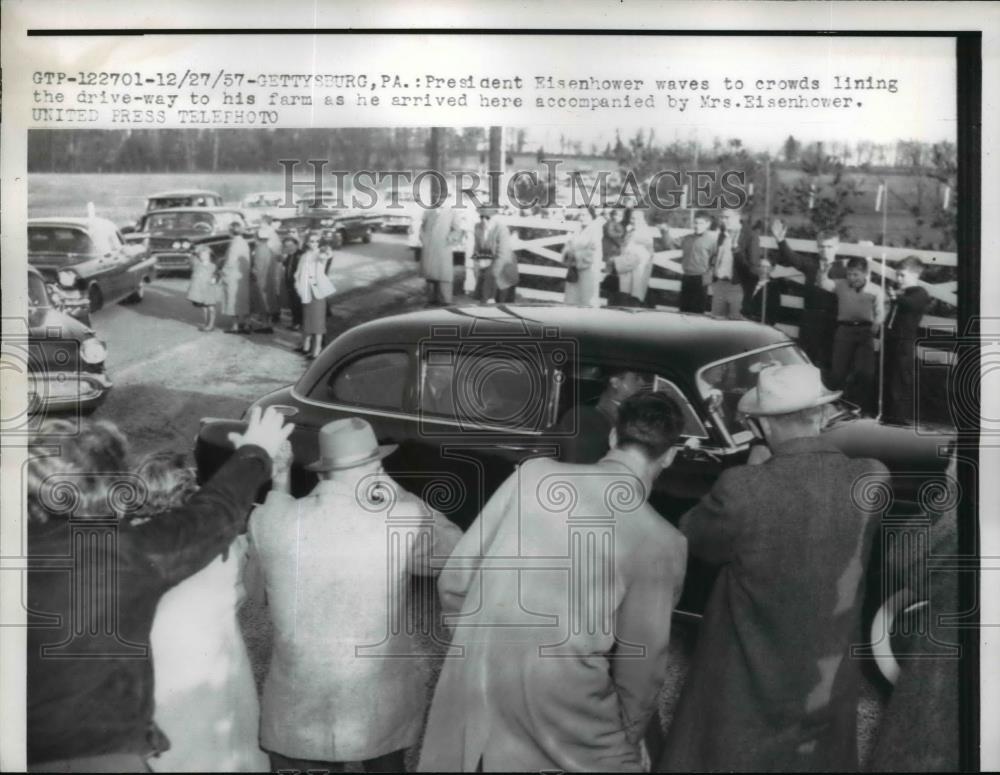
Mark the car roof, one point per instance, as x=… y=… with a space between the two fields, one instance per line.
x=83 y=223
x=622 y=335
x=185 y=192
x=193 y=209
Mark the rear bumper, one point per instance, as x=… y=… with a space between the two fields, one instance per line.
x=67 y=390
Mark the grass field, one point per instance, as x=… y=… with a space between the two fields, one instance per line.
x=121 y=197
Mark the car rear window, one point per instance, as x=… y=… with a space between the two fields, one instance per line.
x=58 y=239
x=376 y=381
x=484 y=389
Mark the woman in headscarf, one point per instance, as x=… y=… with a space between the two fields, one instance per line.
x=583 y=255
x=635 y=263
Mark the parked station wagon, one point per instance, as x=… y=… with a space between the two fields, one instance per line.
x=170 y=235
x=89 y=259
x=513 y=371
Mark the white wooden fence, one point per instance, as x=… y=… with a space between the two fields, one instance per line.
x=549 y=247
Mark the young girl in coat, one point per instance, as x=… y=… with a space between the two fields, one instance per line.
x=204 y=289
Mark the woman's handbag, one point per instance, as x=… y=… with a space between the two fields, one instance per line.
x=610 y=284
x=573 y=275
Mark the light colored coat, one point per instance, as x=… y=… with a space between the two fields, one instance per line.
x=267 y=267
x=563 y=562
x=500 y=245
x=635 y=264
x=587 y=250
x=349 y=677
x=437 y=240
x=311 y=280
x=206 y=700
x=235 y=276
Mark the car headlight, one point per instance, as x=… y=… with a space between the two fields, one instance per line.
x=176 y=244
x=326 y=222
x=92 y=350
x=67 y=278
x=185 y=245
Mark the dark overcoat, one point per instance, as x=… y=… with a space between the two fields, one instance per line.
x=773 y=686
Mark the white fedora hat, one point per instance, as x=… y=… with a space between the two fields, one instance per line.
x=786 y=389
x=348 y=443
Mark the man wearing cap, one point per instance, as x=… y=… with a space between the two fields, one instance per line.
x=773 y=686
x=348 y=680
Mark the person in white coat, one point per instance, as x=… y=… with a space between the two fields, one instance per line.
x=204 y=693
x=583 y=255
x=348 y=679
x=635 y=263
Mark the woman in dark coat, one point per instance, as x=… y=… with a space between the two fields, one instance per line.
x=291 y=252
x=89 y=672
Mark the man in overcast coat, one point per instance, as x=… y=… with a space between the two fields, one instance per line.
x=773 y=686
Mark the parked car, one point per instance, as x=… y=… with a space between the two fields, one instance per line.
x=270 y=203
x=66 y=360
x=89 y=261
x=185 y=197
x=323 y=211
x=399 y=219
x=515 y=370
x=188 y=197
x=170 y=235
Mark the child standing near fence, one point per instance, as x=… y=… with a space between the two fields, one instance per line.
x=901 y=329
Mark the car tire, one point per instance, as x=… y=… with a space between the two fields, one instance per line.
x=367 y=236
x=139 y=294
x=96 y=298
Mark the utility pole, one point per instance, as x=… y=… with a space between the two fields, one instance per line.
x=496 y=163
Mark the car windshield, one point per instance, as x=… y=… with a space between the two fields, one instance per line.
x=59 y=239
x=163 y=223
x=38 y=296
x=162 y=203
x=736 y=376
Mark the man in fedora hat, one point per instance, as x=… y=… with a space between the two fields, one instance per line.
x=348 y=679
x=773 y=685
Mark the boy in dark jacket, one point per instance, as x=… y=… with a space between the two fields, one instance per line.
x=901 y=330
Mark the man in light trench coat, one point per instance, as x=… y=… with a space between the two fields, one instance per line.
x=560 y=597
x=438 y=231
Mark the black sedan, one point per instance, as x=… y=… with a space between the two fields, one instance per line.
x=170 y=235
x=88 y=262
x=323 y=212
x=511 y=372
x=66 y=370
